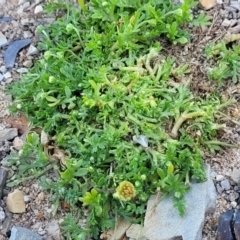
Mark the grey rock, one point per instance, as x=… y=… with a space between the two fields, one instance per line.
x=12 y=51
x=1 y=77
x=235 y=4
x=38 y=9
x=7 y=222
x=28 y=63
x=3 y=179
x=233 y=204
x=8 y=134
x=226 y=22
x=53 y=230
x=233 y=196
x=32 y=50
x=2 y=215
x=164 y=223
x=7 y=75
x=236 y=226
x=4 y=149
x=135 y=231
x=5 y=19
x=235 y=175
x=22 y=70
x=21 y=233
x=224 y=231
x=225 y=184
x=219 y=189
x=3 y=39
x=219 y=177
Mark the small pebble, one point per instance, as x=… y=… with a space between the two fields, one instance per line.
x=3 y=39
x=41 y=196
x=27 y=63
x=219 y=178
x=7 y=75
x=22 y=70
x=225 y=184
x=38 y=9
x=32 y=50
x=233 y=204
x=26 y=198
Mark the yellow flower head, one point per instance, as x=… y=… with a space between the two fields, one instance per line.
x=125 y=191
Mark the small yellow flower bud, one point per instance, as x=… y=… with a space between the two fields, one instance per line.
x=125 y=191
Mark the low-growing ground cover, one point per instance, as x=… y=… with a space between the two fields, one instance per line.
x=120 y=111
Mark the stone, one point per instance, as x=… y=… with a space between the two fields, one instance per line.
x=233 y=196
x=233 y=204
x=233 y=22
x=235 y=4
x=38 y=9
x=219 y=189
x=135 y=231
x=7 y=222
x=2 y=215
x=26 y=198
x=25 y=21
x=32 y=50
x=15 y=202
x=225 y=184
x=224 y=231
x=3 y=39
x=119 y=231
x=7 y=75
x=8 y=134
x=207 y=4
x=27 y=34
x=235 y=29
x=18 y=143
x=236 y=225
x=4 y=26
x=41 y=196
x=1 y=77
x=3 y=179
x=3 y=69
x=226 y=22
x=21 y=233
x=235 y=175
x=53 y=230
x=25 y=5
x=5 y=19
x=28 y=63
x=163 y=222
x=219 y=178
x=12 y=51
x=22 y=70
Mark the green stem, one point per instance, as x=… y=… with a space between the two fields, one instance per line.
x=185 y=116
x=224 y=144
x=39 y=174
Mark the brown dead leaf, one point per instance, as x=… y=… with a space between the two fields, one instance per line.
x=40 y=216
x=60 y=156
x=19 y=122
x=65 y=205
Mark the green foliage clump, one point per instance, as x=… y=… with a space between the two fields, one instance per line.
x=226 y=56
x=108 y=98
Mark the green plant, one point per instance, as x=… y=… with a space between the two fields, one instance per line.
x=226 y=61
x=105 y=94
